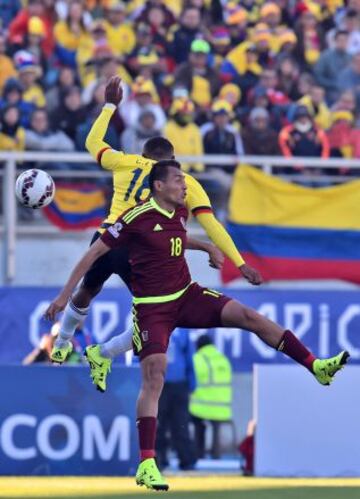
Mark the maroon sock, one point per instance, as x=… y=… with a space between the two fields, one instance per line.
x=147 y=434
x=293 y=347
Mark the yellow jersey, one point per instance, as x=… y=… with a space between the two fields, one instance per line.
x=131 y=173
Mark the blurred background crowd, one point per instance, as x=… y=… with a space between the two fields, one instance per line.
x=214 y=76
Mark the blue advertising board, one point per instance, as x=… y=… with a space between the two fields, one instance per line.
x=54 y=422
x=326 y=321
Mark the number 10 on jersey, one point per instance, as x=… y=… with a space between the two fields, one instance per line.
x=176 y=246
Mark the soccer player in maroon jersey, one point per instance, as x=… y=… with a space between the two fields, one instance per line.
x=166 y=298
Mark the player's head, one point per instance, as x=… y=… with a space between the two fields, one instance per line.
x=158 y=148
x=167 y=182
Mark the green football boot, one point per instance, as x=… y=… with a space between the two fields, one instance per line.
x=325 y=369
x=60 y=354
x=148 y=474
x=99 y=366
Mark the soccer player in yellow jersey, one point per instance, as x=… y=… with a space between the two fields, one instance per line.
x=130 y=182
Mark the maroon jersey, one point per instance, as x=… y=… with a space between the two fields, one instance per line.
x=156 y=241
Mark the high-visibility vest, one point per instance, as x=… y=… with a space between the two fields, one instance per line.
x=212 y=397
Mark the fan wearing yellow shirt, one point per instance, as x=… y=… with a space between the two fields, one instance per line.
x=130 y=180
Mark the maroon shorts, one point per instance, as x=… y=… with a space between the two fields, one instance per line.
x=154 y=322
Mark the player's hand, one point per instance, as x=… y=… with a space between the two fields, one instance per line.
x=55 y=307
x=114 y=91
x=251 y=275
x=216 y=257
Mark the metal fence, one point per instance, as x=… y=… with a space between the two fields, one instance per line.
x=14 y=163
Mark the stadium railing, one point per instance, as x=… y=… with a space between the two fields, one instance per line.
x=13 y=163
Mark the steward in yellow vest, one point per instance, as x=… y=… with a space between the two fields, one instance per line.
x=212 y=397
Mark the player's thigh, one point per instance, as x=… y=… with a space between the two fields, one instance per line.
x=153 y=325
x=201 y=308
x=235 y=314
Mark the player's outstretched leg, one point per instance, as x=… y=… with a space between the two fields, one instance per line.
x=153 y=370
x=75 y=312
x=234 y=314
x=100 y=356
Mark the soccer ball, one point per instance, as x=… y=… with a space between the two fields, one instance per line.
x=35 y=188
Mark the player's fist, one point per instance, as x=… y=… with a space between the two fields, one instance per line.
x=114 y=91
x=55 y=307
x=251 y=275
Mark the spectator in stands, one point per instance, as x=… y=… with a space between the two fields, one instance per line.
x=349 y=78
x=174 y=418
x=220 y=137
x=6 y=63
x=144 y=96
x=183 y=133
x=211 y=401
x=66 y=79
x=237 y=21
x=134 y=138
x=12 y=134
x=8 y=11
x=345 y=102
x=331 y=62
x=309 y=35
x=70 y=114
x=287 y=41
x=316 y=105
x=303 y=137
x=70 y=33
x=41 y=138
x=196 y=75
x=185 y=34
x=220 y=41
x=120 y=34
x=342 y=140
x=259 y=138
x=13 y=94
x=288 y=77
x=19 y=27
x=352 y=25
x=241 y=66
x=144 y=15
x=87 y=48
x=29 y=75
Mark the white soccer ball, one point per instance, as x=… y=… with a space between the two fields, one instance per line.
x=35 y=188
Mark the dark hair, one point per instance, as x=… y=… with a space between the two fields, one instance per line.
x=203 y=340
x=341 y=32
x=160 y=171
x=158 y=148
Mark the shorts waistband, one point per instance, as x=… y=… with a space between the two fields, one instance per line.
x=162 y=298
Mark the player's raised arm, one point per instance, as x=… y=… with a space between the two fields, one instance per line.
x=94 y=252
x=216 y=257
x=198 y=202
x=102 y=152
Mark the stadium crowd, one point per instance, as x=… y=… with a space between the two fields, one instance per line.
x=214 y=76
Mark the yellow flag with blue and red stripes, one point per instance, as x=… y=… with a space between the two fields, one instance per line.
x=77 y=206
x=288 y=231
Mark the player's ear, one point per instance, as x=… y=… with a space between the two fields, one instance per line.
x=158 y=185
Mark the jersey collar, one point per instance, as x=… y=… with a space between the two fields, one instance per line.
x=168 y=214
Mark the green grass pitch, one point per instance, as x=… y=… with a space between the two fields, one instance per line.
x=205 y=487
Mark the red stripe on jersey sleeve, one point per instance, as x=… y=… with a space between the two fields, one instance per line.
x=201 y=209
x=100 y=153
